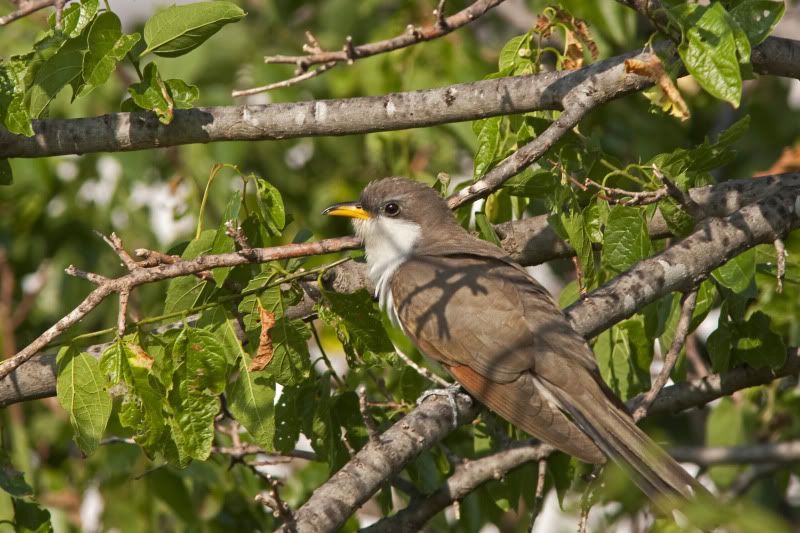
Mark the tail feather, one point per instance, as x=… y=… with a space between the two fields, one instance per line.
x=657 y=474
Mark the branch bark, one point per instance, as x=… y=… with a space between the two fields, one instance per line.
x=118 y=132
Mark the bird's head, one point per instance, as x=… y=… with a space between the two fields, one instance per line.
x=393 y=215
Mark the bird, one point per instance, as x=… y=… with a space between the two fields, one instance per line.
x=467 y=305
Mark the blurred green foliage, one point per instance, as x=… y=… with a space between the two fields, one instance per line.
x=165 y=386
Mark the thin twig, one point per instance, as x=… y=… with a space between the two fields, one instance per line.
x=579 y=276
x=27 y=8
x=424 y=372
x=307 y=75
x=688 y=301
x=59 y=13
x=123 y=311
x=235 y=232
x=748 y=478
x=635 y=197
x=538 y=497
x=441 y=21
x=678 y=195
x=325 y=357
x=273 y=500
x=780 y=263
x=372 y=428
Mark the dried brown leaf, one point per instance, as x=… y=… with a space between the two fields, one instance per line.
x=671 y=101
x=264 y=352
x=573 y=52
x=789 y=161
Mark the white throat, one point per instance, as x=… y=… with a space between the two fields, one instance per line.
x=388 y=243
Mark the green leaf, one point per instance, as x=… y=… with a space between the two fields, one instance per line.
x=532 y=183
x=180 y=29
x=758 y=345
x=679 y=222
x=29 y=517
x=153 y=94
x=509 y=55
x=200 y=376
x=291 y=361
x=571 y=226
x=6 y=175
x=488 y=132
x=725 y=427
x=702 y=158
x=51 y=76
x=758 y=18
x=81 y=392
x=251 y=398
x=223 y=243
x=709 y=49
x=626 y=238
x=737 y=273
x=623 y=357
x=485 y=229
x=719 y=348
x=707 y=295
x=184 y=292
x=360 y=328
x=295 y=406
x=11 y=480
x=183 y=94
x=561 y=471
x=107 y=46
x=271 y=208
x=13 y=110
x=127 y=366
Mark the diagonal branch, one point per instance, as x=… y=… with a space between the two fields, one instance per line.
x=681 y=330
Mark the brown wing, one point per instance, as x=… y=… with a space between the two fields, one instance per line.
x=484 y=313
x=500 y=334
x=471 y=315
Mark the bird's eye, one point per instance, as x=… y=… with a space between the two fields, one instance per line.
x=391 y=209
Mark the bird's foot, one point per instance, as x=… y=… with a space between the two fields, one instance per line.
x=451 y=393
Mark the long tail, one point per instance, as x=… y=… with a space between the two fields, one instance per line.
x=657 y=474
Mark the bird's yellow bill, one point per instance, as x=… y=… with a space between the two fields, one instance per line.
x=346 y=209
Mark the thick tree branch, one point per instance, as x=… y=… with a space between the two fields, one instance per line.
x=117 y=132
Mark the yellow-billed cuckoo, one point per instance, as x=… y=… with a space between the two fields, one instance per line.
x=466 y=305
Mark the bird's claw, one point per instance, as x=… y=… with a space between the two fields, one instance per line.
x=451 y=393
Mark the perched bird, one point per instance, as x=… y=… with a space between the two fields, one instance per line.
x=465 y=304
